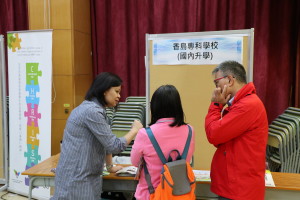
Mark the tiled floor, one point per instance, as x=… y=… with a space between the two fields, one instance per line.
x=11 y=196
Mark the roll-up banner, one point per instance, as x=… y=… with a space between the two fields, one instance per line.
x=30 y=81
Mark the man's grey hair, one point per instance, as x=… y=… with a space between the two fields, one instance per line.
x=232 y=68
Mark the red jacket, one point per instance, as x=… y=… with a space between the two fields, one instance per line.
x=238 y=165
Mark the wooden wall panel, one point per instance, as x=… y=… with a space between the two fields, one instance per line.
x=37 y=15
x=82 y=53
x=81 y=16
x=60 y=14
x=62 y=95
x=62 y=52
x=82 y=84
x=71 y=55
x=57 y=126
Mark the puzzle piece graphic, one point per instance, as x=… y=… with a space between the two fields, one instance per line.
x=32 y=73
x=33 y=141
x=10 y=39
x=32 y=89
x=32 y=114
x=16 y=43
x=26 y=178
x=32 y=155
x=33 y=130
x=31 y=165
x=32 y=133
x=33 y=101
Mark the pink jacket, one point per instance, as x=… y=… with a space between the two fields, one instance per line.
x=168 y=138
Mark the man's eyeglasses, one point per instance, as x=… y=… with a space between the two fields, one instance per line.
x=216 y=81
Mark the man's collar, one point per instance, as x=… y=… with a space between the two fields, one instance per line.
x=229 y=103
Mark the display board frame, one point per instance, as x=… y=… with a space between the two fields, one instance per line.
x=193 y=81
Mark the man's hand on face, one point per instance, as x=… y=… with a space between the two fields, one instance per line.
x=219 y=96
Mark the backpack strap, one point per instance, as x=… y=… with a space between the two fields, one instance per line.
x=186 y=148
x=187 y=144
x=155 y=145
x=148 y=179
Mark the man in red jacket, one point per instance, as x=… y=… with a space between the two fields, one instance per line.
x=239 y=132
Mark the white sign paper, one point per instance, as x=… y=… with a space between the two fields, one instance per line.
x=197 y=51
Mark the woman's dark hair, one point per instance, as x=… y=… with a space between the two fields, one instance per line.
x=166 y=103
x=102 y=83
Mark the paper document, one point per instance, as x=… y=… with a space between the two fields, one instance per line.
x=121 y=160
x=202 y=175
x=269 y=179
x=127 y=171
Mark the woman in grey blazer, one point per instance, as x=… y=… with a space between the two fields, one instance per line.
x=88 y=141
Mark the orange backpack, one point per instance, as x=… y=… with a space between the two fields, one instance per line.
x=177 y=180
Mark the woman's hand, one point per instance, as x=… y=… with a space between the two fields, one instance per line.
x=114 y=169
x=136 y=125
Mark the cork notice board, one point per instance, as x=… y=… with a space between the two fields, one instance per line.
x=186 y=61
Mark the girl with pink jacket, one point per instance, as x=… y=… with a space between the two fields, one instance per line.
x=171 y=132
